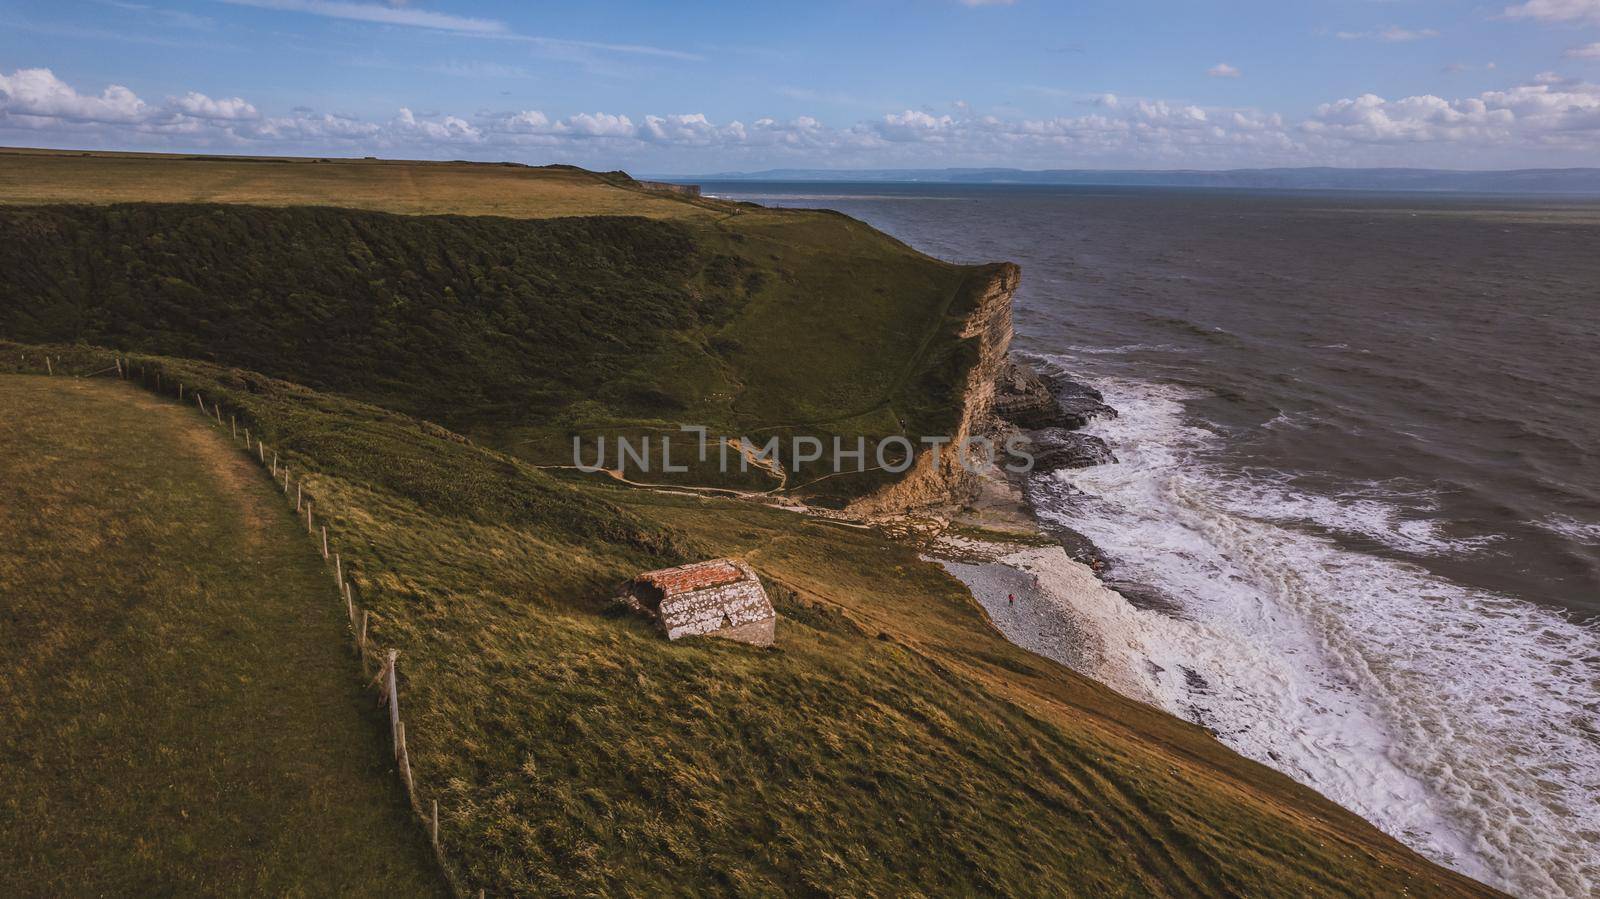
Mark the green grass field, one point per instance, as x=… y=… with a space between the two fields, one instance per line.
x=430 y=188
x=893 y=742
x=180 y=710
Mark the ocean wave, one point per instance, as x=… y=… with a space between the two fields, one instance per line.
x=1376 y=513
x=1124 y=349
x=1458 y=720
x=1586 y=532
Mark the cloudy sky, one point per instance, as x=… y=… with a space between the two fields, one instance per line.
x=695 y=87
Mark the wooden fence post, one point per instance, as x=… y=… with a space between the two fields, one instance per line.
x=405 y=767
x=49 y=369
x=361 y=635
x=233 y=425
x=392 y=690
x=309 y=529
x=299 y=490
x=324 y=541
x=434 y=830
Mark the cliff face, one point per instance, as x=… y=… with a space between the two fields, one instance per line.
x=938 y=479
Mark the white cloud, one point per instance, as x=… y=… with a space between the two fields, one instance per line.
x=1556 y=11
x=913 y=125
x=201 y=106
x=1552 y=118
x=381 y=13
x=39 y=94
x=1223 y=70
x=1555 y=113
x=1592 y=51
x=402 y=14
x=1392 y=34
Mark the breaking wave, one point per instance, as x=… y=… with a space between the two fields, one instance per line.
x=1459 y=720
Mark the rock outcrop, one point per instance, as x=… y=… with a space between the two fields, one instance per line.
x=1029 y=401
x=938 y=478
x=1056 y=448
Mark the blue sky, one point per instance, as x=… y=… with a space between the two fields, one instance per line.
x=699 y=87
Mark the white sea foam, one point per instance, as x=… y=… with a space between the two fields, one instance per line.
x=1125 y=348
x=1460 y=721
x=1373 y=511
x=1571 y=528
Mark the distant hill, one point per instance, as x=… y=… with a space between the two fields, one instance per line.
x=1519 y=181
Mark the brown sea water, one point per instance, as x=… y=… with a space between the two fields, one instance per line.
x=1358 y=463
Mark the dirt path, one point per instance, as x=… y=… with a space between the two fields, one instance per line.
x=180 y=712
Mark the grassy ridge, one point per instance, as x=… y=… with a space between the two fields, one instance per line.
x=521 y=333
x=179 y=709
x=408 y=188
x=893 y=743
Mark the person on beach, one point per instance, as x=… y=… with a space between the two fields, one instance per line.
x=1011 y=599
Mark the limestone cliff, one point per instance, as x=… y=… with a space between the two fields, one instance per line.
x=938 y=479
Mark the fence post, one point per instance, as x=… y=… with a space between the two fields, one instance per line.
x=309 y=529
x=324 y=541
x=233 y=425
x=49 y=369
x=298 y=491
x=361 y=635
x=393 y=692
x=404 y=760
x=435 y=829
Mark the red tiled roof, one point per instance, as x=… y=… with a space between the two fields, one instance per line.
x=695 y=576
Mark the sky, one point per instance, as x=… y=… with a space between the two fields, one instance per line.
x=700 y=87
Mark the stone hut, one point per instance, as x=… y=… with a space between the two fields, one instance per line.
x=718 y=598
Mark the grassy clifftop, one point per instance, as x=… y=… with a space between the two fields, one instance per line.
x=521 y=332
x=893 y=743
x=461 y=188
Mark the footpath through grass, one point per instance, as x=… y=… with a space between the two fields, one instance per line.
x=180 y=711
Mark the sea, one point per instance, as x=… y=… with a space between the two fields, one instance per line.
x=1357 y=495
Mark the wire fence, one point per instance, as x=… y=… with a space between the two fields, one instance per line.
x=148 y=374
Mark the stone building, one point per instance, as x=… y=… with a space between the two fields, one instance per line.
x=718 y=598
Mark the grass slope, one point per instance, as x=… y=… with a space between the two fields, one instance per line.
x=179 y=708
x=892 y=743
x=521 y=333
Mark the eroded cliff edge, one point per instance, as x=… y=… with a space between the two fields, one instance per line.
x=938 y=479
